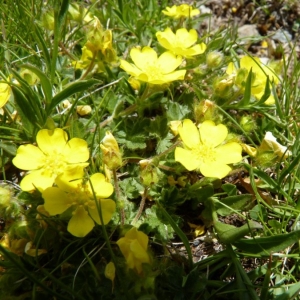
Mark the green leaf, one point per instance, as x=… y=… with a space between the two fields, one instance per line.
x=229 y=233
x=238 y=202
x=247 y=93
x=265 y=246
x=9 y=147
x=266 y=94
x=289 y=293
x=71 y=89
x=179 y=232
x=45 y=82
x=229 y=188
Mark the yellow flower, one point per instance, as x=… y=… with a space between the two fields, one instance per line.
x=5 y=93
x=134 y=248
x=74 y=192
x=85 y=60
x=259 y=79
x=204 y=149
x=181 y=43
x=52 y=156
x=181 y=11
x=148 y=67
x=111 y=154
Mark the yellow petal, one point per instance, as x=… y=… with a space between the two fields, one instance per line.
x=29 y=157
x=56 y=201
x=76 y=151
x=231 y=69
x=212 y=134
x=110 y=271
x=102 y=188
x=70 y=179
x=51 y=141
x=168 y=62
x=186 y=158
x=189 y=134
x=215 y=170
x=229 y=153
x=139 y=252
x=186 y=38
x=133 y=234
x=177 y=75
x=5 y=93
x=38 y=179
x=108 y=207
x=81 y=223
x=130 y=68
x=143 y=58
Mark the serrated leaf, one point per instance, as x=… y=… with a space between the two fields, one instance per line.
x=176 y=111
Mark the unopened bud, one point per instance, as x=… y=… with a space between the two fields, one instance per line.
x=214 y=59
x=148 y=173
x=111 y=152
x=205 y=110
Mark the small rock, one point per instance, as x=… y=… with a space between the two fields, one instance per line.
x=282 y=36
x=248 y=34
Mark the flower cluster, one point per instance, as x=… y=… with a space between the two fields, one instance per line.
x=181 y=11
x=58 y=160
x=150 y=68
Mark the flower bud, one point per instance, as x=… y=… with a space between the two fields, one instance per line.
x=248 y=123
x=224 y=87
x=110 y=271
x=29 y=76
x=205 y=110
x=83 y=110
x=5 y=197
x=148 y=172
x=174 y=126
x=214 y=59
x=111 y=154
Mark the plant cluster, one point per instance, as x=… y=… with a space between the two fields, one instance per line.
x=124 y=128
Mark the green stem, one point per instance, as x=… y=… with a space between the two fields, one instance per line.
x=118 y=194
x=141 y=208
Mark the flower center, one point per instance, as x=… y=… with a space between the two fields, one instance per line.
x=205 y=153
x=55 y=164
x=81 y=196
x=153 y=71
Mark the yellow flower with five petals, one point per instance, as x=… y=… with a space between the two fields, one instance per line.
x=204 y=149
x=149 y=68
x=181 y=11
x=52 y=156
x=72 y=191
x=134 y=248
x=181 y=43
